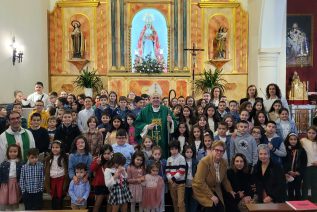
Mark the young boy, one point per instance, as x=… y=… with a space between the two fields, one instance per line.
x=31 y=181
x=146 y=98
x=67 y=131
x=221 y=110
x=122 y=110
x=38 y=95
x=40 y=134
x=3 y=119
x=103 y=107
x=123 y=147
x=181 y=101
x=39 y=108
x=18 y=108
x=222 y=136
x=244 y=143
x=138 y=102
x=84 y=115
x=233 y=107
x=104 y=127
x=276 y=144
x=79 y=191
x=52 y=122
x=175 y=173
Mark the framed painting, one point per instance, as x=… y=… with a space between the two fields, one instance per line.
x=299 y=40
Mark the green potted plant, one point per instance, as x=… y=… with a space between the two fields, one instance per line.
x=210 y=79
x=89 y=81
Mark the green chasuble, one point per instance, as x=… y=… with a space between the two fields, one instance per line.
x=159 y=134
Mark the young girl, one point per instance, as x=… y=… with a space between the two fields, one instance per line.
x=191 y=167
x=203 y=123
x=260 y=120
x=246 y=106
x=177 y=111
x=136 y=172
x=147 y=145
x=210 y=111
x=98 y=167
x=206 y=149
x=79 y=154
x=56 y=176
x=131 y=129
x=93 y=136
x=190 y=101
x=188 y=117
x=10 y=170
x=153 y=186
x=112 y=100
x=310 y=145
x=244 y=115
x=116 y=181
x=182 y=134
x=196 y=139
x=294 y=165
x=274 y=111
x=116 y=123
x=257 y=107
x=285 y=125
x=228 y=118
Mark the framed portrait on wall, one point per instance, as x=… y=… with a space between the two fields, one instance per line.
x=299 y=40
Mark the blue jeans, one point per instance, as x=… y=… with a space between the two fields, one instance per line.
x=190 y=203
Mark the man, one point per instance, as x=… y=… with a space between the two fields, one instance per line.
x=156 y=121
x=15 y=134
x=38 y=95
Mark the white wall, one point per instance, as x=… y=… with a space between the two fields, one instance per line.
x=27 y=20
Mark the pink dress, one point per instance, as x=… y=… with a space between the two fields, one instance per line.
x=152 y=192
x=136 y=188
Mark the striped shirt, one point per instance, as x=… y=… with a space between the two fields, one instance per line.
x=175 y=168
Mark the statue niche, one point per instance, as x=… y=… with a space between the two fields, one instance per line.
x=78 y=40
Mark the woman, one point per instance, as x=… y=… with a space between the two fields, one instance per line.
x=273 y=93
x=240 y=180
x=216 y=94
x=252 y=95
x=210 y=176
x=269 y=178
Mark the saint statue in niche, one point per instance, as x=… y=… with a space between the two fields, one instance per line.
x=148 y=43
x=299 y=89
x=78 y=47
x=220 y=43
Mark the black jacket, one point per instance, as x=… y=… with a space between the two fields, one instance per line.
x=66 y=135
x=300 y=162
x=240 y=181
x=273 y=182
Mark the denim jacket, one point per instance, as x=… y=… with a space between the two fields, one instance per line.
x=5 y=169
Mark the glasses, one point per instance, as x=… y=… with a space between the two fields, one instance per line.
x=219 y=150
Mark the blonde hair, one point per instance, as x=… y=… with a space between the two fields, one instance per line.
x=218 y=143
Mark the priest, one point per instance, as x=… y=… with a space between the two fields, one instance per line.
x=156 y=121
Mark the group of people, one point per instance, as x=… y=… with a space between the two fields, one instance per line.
x=209 y=154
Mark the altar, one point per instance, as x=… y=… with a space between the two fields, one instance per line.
x=122 y=39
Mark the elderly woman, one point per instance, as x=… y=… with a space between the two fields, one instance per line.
x=269 y=178
x=210 y=176
x=273 y=93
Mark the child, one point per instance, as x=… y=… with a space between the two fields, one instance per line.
x=51 y=129
x=258 y=135
x=67 y=131
x=3 y=119
x=177 y=111
x=222 y=136
x=147 y=145
x=275 y=143
x=79 y=189
x=139 y=103
x=116 y=181
x=190 y=102
x=31 y=181
x=221 y=110
x=157 y=158
x=203 y=123
x=56 y=176
x=131 y=129
x=104 y=127
x=112 y=101
x=274 y=110
x=233 y=107
x=199 y=110
x=10 y=170
x=17 y=107
x=122 y=146
x=294 y=165
x=207 y=143
x=136 y=172
x=257 y=107
x=244 y=116
x=285 y=125
x=93 y=136
x=231 y=124
x=79 y=154
x=188 y=117
x=175 y=173
x=210 y=113
x=153 y=187
x=116 y=123
x=40 y=134
x=122 y=110
x=244 y=143
x=59 y=116
x=74 y=117
x=195 y=139
x=39 y=108
x=98 y=167
x=181 y=101
x=260 y=119
x=182 y=134
x=310 y=145
x=84 y=115
x=191 y=167
x=246 y=106
x=103 y=108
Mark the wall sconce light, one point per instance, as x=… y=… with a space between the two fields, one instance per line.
x=15 y=54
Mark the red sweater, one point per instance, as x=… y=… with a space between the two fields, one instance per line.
x=99 y=179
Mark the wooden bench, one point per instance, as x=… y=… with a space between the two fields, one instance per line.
x=270 y=207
